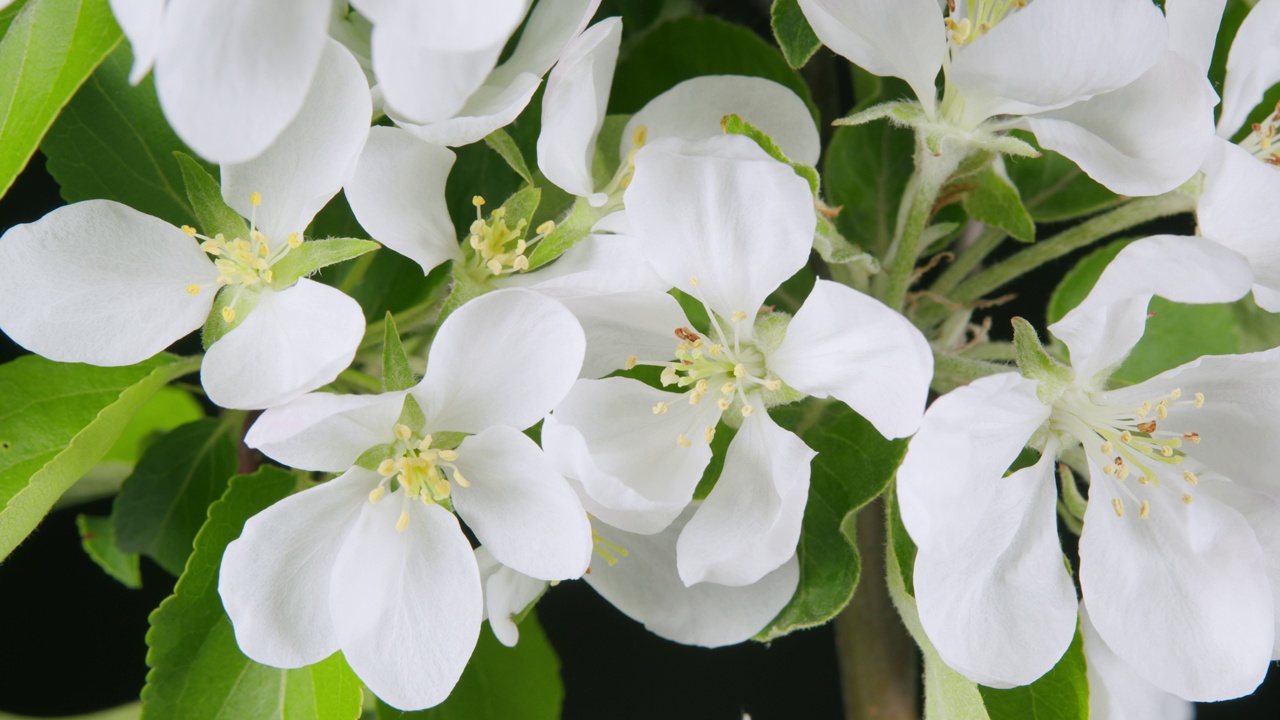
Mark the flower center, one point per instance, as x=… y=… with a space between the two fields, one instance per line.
x=499 y=249
x=1128 y=442
x=1262 y=142
x=422 y=470
x=979 y=17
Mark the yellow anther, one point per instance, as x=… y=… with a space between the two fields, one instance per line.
x=1107 y=448
x=773 y=385
x=640 y=135
x=661 y=408
x=403 y=522
x=499 y=213
x=388 y=467
x=1122 y=472
x=193 y=289
x=723 y=403
x=1126 y=437
x=632 y=361
x=295 y=240
x=546 y=228
x=403 y=432
x=739 y=316
x=709 y=434
x=683 y=441
x=426 y=443
x=1162 y=411
x=255 y=198
x=1177 y=393
x=494 y=266
x=739 y=370
x=669 y=376
x=477 y=201
x=1144 y=510
x=377 y=494
x=1166 y=451
x=228 y=313
x=1144 y=480
x=1109 y=469
x=1191 y=437
x=727 y=388
x=448 y=455
x=748 y=410
x=268 y=276
x=702 y=386
x=1186 y=498
x=715 y=349
x=520 y=264
x=1199 y=400
x=1144 y=409
x=1118 y=504
x=695 y=281
x=190 y=231
x=695 y=397
x=462 y=482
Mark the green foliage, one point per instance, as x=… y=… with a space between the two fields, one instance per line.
x=569 y=232
x=113 y=142
x=312 y=255
x=197 y=671
x=853 y=466
x=1054 y=189
x=99 y=541
x=213 y=215
x=792 y=31
x=396 y=373
x=47 y=53
x=501 y=683
x=734 y=125
x=8 y=14
x=1060 y=694
x=866 y=169
x=503 y=144
x=163 y=503
x=56 y=421
x=994 y=201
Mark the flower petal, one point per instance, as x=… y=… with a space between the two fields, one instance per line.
x=1262 y=512
x=1105 y=326
x=506 y=595
x=597 y=265
x=999 y=603
x=625 y=325
x=101 y=283
x=903 y=39
x=309 y=161
x=626 y=458
x=325 y=432
x=573 y=108
x=968 y=439
x=723 y=211
x=1253 y=66
x=293 y=342
x=505 y=358
x=520 y=507
x=1146 y=138
x=143 y=23
x=551 y=26
x=1116 y=692
x=693 y=109
x=274 y=579
x=245 y=81
x=846 y=345
x=1231 y=212
x=406 y=606
x=644 y=584
x=750 y=523
x=1206 y=629
x=397 y=194
x=489 y=108
x=1193 y=29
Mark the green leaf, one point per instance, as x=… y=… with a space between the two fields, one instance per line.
x=1054 y=189
x=1175 y=333
x=501 y=683
x=734 y=125
x=396 y=373
x=164 y=502
x=1060 y=694
x=504 y=145
x=312 y=255
x=113 y=142
x=866 y=169
x=1256 y=328
x=56 y=421
x=213 y=215
x=197 y=671
x=8 y=14
x=47 y=53
x=994 y=201
x=695 y=46
x=569 y=232
x=98 y=539
x=520 y=207
x=123 y=712
x=245 y=299
x=853 y=466
x=792 y=31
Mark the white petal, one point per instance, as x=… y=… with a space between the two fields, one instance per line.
x=1116 y=692
x=625 y=456
x=722 y=211
x=999 y=603
x=1057 y=52
x=1206 y=626
x=1262 y=512
x=397 y=194
x=598 y=265
x=1239 y=190
x=506 y=594
x=231 y=74
x=905 y=38
x=101 y=283
x=505 y=358
x=1252 y=67
x=520 y=507
x=624 y=325
x=293 y=342
x=573 y=108
x=489 y=108
x=406 y=605
x=692 y=110
x=644 y=584
x=750 y=523
x=323 y=431
x=142 y=23
x=551 y=26
x=846 y=345
x=309 y=161
x=274 y=580
x=1146 y=138
x=1193 y=29
x=1105 y=326
x=955 y=462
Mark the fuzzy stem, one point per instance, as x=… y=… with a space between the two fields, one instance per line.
x=968 y=259
x=932 y=172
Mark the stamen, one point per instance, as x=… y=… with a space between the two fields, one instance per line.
x=1199 y=403
x=193 y=289
x=748 y=410
x=1118 y=504
x=1190 y=477
x=709 y=434
x=388 y=467
x=228 y=313
x=1144 y=510
x=448 y=455
x=402 y=432
x=660 y=409
x=403 y=522
x=1186 y=498
x=255 y=198
x=683 y=441
x=632 y=361
x=190 y=231
x=458 y=478
x=376 y=494
x=739 y=316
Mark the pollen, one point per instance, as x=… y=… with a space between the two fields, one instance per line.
x=695 y=281
x=727 y=388
x=1147 y=427
x=1144 y=510
x=660 y=409
x=403 y=522
x=228 y=313
x=387 y=468
x=1190 y=477
x=294 y=240
x=1166 y=451
x=1199 y=402
x=193 y=289
x=773 y=385
x=1144 y=480
x=1177 y=393
x=739 y=316
x=1186 y=498
x=1118 y=504
x=190 y=231
x=546 y=228
x=640 y=136
x=255 y=198
x=709 y=434
x=723 y=404
x=1191 y=437
x=683 y=441
x=377 y=494
x=477 y=201
x=1107 y=448
x=739 y=370
x=748 y=410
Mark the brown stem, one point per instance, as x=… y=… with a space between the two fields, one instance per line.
x=879 y=665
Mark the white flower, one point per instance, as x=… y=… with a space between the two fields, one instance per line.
x=1182 y=497
x=724 y=222
x=374 y=563
x=98 y=282
x=1093 y=79
x=1116 y=692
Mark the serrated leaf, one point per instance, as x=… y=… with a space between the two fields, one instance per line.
x=500 y=142
x=1054 y=189
x=734 y=125
x=312 y=255
x=164 y=502
x=396 y=373
x=197 y=671
x=49 y=50
x=213 y=215
x=853 y=466
x=113 y=142
x=866 y=169
x=501 y=683
x=56 y=421
x=569 y=232
x=995 y=201
x=1060 y=694
x=792 y=31
x=98 y=539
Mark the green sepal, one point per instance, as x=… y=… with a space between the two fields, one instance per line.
x=900 y=112
x=312 y=255
x=215 y=326
x=734 y=125
x=993 y=200
x=411 y=415
x=447 y=440
x=794 y=34
x=99 y=541
x=396 y=373
x=213 y=215
x=521 y=206
x=832 y=247
x=370 y=459
x=502 y=143
x=465 y=287
x=569 y=232
x=1036 y=364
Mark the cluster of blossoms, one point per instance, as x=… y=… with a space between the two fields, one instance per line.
x=651 y=331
